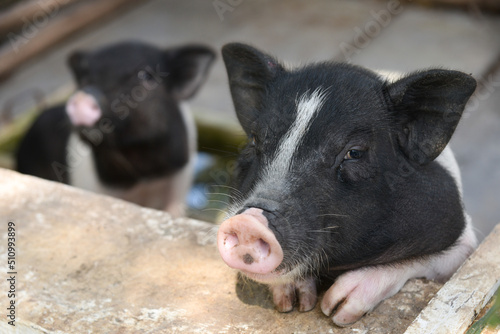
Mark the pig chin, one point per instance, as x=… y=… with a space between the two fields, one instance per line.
x=277 y=277
x=270 y=278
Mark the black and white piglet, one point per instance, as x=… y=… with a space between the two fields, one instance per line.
x=344 y=175
x=126 y=132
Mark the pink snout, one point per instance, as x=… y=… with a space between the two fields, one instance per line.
x=83 y=109
x=246 y=243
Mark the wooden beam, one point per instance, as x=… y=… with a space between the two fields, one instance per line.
x=14 y=18
x=487 y=5
x=43 y=34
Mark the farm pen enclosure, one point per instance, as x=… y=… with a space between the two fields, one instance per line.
x=89 y=263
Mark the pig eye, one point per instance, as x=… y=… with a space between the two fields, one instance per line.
x=253 y=140
x=145 y=76
x=354 y=154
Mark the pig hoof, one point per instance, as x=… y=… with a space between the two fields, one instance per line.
x=358 y=292
x=307 y=294
x=284 y=296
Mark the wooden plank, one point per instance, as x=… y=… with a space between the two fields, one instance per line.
x=460 y=300
x=491 y=5
x=56 y=30
x=14 y=18
x=488 y=321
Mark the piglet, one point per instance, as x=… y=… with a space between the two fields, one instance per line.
x=126 y=131
x=346 y=177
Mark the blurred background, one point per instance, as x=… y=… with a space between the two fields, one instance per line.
x=391 y=36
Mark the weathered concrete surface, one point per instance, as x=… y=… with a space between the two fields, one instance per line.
x=461 y=299
x=91 y=264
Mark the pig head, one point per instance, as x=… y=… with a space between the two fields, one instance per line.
x=127 y=107
x=344 y=172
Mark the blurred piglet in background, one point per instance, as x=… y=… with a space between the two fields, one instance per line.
x=126 y=131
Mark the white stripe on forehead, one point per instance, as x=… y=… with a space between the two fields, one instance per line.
x=308 y=106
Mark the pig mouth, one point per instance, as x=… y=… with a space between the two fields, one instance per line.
x=270 y=278
x=276 y=277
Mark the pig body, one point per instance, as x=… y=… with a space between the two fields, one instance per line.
x=126 y=132
x=345 y=176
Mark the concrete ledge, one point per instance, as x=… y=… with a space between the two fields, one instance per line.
x=87 y=263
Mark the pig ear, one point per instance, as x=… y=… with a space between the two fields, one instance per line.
x=188 y=69
x=78 y=62
x=249 y=71
x=427 y=107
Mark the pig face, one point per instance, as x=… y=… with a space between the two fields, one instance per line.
x=127 y=107
x=339 y=171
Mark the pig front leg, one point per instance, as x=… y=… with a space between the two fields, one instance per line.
x=304 y=291
x=359 y=291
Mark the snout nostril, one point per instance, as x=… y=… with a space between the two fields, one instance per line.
x=263 y=248
x=231 y=240
x=248 y=259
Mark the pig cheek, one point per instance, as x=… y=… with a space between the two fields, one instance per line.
x=83 y=109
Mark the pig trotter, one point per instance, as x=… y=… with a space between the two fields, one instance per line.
x=358 y=292
x=307 y=294
x=284 y=296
